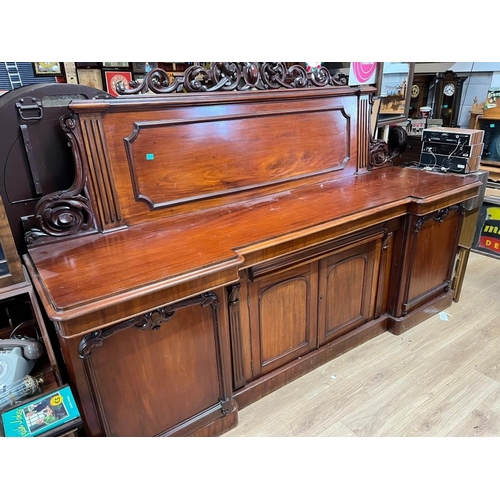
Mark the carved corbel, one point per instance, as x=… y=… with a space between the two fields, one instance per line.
x=382 y=153
x=66 y=212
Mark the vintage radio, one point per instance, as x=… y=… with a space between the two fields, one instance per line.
x=448 y=163
x=448 y=135
x=454 y=150
x=449 y=149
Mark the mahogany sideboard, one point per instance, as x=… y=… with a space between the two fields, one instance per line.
x=215 y=246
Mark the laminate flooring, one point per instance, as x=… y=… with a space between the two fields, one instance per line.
x=441 y=378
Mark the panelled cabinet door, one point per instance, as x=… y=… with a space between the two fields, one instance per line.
x=433 y=245
x=282 y=317
x=161 y=373
x=347 y=289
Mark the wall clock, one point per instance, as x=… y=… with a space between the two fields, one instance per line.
x=415 y=90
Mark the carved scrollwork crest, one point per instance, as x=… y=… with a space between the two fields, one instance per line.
x=66 y=212
x=232 y=76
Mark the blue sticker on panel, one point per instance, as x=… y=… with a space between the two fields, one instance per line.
x=150 y=156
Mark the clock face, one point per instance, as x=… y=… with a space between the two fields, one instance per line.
x=449 y=89
x=415 y=90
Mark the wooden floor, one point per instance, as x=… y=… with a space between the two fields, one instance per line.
x=440 y=379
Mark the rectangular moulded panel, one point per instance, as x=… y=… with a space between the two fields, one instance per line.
x=173 y=162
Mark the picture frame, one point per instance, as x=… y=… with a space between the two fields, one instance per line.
x=115 y=64
x=88 y=64
x=394 y=82
x=140 y=67
x=47 y=69
x=90 y=78
x=113 y=77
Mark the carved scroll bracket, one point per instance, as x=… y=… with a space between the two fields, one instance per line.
x=379 y=153
x=232 y=76
x=67 y=212
x=382 y=153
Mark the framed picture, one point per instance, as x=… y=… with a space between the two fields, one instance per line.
x=113 y=77
x=90 y=78
x=393 y=105
x=115 y=64
x=47 y=69
x=143 y=67
x=88 y=64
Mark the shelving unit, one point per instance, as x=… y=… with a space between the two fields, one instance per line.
x=20 y=313
x=19 y=310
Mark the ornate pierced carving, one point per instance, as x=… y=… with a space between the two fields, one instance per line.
x=232 y=76
x=67 y=212
x=150 y=320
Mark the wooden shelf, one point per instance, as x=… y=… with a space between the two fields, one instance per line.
x=46 y=366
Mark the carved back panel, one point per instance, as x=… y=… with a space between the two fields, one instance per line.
x=152 y=157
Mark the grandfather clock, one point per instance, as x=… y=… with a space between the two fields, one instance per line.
x=448 y=88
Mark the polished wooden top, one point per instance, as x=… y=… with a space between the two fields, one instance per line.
x=104 y=269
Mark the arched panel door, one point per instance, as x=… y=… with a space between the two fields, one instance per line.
x=282 y=317
x=348 y=282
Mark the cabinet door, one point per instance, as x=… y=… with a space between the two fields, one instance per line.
x=161 y=373
x=432 y=249
x=347 y=289
x=283 y=312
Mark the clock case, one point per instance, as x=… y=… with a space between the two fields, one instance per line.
x=447 y=107
x=422 y=82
